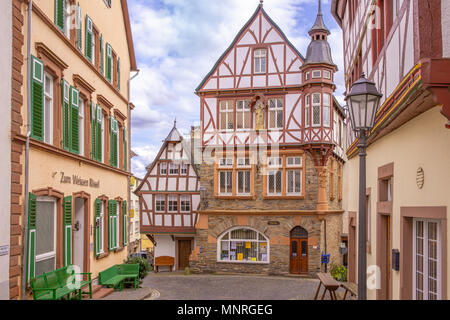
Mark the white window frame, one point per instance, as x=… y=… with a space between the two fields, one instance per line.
x=326 y=110
x=102 y=227
x=163 y=168
x=307 y=110
x=294 y=193
x=226 y=162
x=327 y=74
x=117 y=224
x=102 y=117
x=81 y=126
x=307 y=76
x=244 y=180
x=316 y=74
x=48 y=109
x=68 y=18
x=316 y=105
x=160 y=198
x=426 y=258
x=50 y=254
x=274 y=162
x=274 y=173
x=183 y=168
x=174 y=169
x=172 y=198
x=183 y=207
x=228 y=192
x=294 y=165
x=243 y=107
x=260 y=56
x=220 y=240
x=229 y=108
x=275 y=109
x=241 y=162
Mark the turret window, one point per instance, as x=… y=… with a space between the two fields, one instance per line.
x=326 y=109
x=307 y=110
x=316 y=74
x=326 y=74
x=316 y=109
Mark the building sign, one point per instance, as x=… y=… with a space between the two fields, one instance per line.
x=77 y=180
x=4 y=250
x=273 y=223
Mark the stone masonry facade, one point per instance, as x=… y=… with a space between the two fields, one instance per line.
x=259 y=212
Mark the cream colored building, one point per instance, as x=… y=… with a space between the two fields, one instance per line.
x=70 y=195
x=405 y=51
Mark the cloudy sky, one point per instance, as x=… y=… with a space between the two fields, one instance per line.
x=177 y=42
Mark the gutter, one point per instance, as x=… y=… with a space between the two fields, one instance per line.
x=129 y=157
x=27 y=155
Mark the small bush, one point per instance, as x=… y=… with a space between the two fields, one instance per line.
x=339 y=273
x=144 y=266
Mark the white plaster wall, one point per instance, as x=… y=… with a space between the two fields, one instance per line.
x=165 y=246
x=5 y=141
x=445 y=11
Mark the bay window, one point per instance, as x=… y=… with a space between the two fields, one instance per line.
x=326 y=109
x=307 y=110
x=316 y=112
x=243 y=245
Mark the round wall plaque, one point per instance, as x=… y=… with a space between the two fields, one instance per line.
x=420 y=178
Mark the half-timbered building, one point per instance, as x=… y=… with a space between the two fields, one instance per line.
x=270 y=154
x=403 y=46
x=168 y=199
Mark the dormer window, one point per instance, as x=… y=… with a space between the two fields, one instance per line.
x=260 y=60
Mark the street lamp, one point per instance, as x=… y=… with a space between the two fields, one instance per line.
x=363 y=99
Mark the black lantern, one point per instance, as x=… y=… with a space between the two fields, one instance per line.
x=363 y=100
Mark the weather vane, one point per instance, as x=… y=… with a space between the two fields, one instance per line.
x=261 y=2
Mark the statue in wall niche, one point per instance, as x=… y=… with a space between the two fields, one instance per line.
x=258 y=107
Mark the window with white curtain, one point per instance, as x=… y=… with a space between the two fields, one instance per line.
x=160 y=203
x=226 y=183
x=226 y=115
x=185 y=203
x=45 y=235
x=172 y=203
x=244 y=181
x=163 y=168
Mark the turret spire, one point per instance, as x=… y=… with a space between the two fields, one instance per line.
x=319 y=25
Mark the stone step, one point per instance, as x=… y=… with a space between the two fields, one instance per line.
x=103 y=292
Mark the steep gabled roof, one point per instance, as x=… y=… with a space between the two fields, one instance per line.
x=173 y=136
x=236 y=39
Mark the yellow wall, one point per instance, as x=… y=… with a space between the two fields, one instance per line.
x=44 y=164
x=146 y=244
x=422 y=142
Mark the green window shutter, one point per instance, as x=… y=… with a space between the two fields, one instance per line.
x=98 y=233
x=125 y=149
x=112 y=219
x=108 y=63
x=93 y=126
x=79 y=28
x=102 y=56
x=74 y=120
x=65 y=88
x=89 y=38
x=118 y=74
x=37 y=98
x=113 y=133
x=31 y=246
x=67 y=205
x=109 y=3
x=125 y=229
x=98 y=134
x=60 y=14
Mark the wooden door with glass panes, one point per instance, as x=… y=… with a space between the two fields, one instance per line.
x=299 y=256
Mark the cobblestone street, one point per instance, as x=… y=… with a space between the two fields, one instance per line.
x=165 y=286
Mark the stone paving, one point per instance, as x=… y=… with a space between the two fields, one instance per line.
x=177 y=286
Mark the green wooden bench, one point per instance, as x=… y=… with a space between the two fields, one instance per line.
x=119 y=274
x=56 y=285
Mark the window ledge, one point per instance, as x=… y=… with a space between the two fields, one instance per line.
x=119 y=249
x=244 y=262
x=102 y=255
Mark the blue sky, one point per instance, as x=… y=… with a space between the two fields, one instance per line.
x=177 y=42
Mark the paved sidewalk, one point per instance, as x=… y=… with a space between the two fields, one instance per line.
x=177 y=286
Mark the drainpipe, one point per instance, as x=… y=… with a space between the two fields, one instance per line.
x=129 y=157
x=27 y=154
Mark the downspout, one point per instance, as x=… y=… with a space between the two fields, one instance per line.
x=27 y=154
x=129 y=158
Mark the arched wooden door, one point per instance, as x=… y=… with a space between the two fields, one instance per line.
x=299 y=251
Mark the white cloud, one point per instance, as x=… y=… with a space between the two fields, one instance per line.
x=177 y=43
